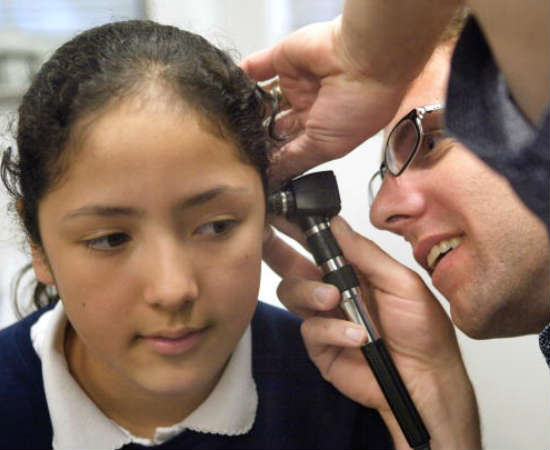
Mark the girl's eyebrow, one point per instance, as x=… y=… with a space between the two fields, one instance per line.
x=190 y=202
x=210 y=194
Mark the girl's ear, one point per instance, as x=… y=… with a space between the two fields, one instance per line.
x=39 y=261
x=41 y=267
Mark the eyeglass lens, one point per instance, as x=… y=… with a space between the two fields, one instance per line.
x=401 y=144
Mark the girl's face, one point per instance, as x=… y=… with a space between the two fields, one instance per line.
x=153 y=239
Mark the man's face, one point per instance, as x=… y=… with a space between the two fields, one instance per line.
x=496 y=279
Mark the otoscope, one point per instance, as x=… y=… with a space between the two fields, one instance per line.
x=310 y=201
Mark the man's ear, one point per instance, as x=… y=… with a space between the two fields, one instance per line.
x=41 y=267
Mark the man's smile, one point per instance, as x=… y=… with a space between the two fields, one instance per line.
x=430 y=250
x=440 y=250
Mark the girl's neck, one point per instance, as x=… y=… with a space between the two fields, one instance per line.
x=131 y=406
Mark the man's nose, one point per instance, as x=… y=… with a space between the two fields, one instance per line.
x=399 y=202
x=170 y=277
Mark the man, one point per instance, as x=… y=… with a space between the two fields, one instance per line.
x=486 y=252
x=345 y=79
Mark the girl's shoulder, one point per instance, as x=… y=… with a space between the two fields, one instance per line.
x=17 y=332
x=275 y=318
x=275 y=331
x=277 y=341
x=15 y=340
x=21 y=388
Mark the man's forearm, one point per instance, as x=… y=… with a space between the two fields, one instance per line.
x=391 y=40
x=519 y=37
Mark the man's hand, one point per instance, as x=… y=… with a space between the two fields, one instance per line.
x=418 y=334
x=334 y=104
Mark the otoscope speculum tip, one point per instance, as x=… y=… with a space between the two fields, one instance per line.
x=280 y=203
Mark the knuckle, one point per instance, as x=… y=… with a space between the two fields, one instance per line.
x=411 y=281
x=281 y=290
x=306 y=329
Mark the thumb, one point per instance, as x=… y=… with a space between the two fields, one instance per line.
x=380 y=269
x=259 y=65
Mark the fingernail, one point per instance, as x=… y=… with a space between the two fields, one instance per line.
x=321 y=295
x=354 y=334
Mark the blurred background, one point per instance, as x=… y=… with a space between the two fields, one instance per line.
x=509 y=375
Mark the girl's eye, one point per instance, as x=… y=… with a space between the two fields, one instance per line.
x=108 y=242
x=216 y=228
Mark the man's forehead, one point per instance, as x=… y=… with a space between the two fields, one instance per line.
x=421 y=94
x=428 y=89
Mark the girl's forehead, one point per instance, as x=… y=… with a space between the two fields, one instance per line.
x=124 y=145
x=131 y=128
x=151 y=164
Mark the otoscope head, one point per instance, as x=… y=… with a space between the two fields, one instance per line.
x=315 y=194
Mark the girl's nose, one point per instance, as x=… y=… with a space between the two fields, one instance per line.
x=170 y=277
x=398 y=203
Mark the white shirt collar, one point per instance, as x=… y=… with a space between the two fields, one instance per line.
x=77 y=422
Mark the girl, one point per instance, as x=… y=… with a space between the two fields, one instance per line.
x=140 y=181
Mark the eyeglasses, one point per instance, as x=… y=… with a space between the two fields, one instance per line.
x=417 y=133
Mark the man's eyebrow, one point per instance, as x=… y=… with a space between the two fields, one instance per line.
x=116 y=211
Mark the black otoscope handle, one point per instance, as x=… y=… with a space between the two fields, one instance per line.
x=326 y=251
x=396 y=394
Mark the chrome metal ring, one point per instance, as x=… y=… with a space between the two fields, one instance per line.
x=284 y=203
x=317 y=228
x=277 y=92
x=351 y=293
x=332 y=265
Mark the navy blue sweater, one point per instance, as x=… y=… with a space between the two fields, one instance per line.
x=296 y=409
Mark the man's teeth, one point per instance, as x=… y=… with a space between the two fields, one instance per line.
x=440 y=249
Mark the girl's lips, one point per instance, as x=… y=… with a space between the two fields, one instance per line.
x=174 y=345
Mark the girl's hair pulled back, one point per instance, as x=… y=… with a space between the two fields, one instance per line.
x=107 y=64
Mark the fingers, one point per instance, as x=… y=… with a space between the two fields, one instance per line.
x=405 y=310
x=320 y=332
x=287 y=124
x=259 y=65
x=301 y=289
x=308 y=298
x=294 y=158
x=285 y=261
x=380 y=269
x=290 y=229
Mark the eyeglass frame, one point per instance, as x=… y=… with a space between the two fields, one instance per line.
x=415 y=116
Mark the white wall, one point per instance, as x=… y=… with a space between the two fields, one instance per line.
x=510 y=376
x=12 y=256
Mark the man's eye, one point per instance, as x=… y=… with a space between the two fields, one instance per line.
x=431 y=141
x=218 y=227
x=108 y=242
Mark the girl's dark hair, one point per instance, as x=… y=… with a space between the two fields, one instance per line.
x=104 y=65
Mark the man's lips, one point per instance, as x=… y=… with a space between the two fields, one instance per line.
x=438 y=245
